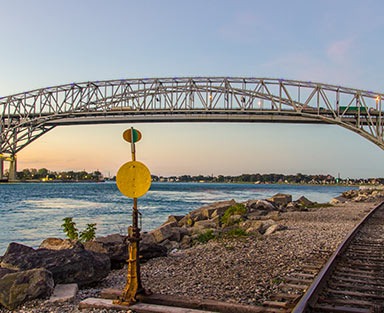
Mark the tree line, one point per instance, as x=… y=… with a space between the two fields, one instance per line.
x=272 y=178
x=47 y=175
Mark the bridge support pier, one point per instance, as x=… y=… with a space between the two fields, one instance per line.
x=12 y=176
x=1 y=168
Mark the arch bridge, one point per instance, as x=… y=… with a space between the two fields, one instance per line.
x=27 y=116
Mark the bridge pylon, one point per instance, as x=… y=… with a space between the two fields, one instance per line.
x=1 y=169
x=12 y=174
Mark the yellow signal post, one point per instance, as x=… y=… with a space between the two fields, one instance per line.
x=133 y=180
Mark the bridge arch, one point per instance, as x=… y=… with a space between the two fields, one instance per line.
x=27 y=116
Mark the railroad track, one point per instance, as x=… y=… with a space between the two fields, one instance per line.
x=349 y=280
x=353 y=278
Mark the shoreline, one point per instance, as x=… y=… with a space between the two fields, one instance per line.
x=18 y=196
x=238 y=270
x=57 y=181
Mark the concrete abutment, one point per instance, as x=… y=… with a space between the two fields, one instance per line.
x=12 y=176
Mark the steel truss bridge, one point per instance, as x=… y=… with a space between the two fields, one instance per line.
x=27 y=116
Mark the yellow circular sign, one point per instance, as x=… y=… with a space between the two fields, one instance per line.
x=133 y=179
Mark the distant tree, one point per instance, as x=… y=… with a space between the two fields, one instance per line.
x=96 y=175
x=83 y=175
x=185 y=178
x=41 y=173
x=220 y=179
x=25 y=174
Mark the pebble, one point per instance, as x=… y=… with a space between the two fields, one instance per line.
x=238 y=270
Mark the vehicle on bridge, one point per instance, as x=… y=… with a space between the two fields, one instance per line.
x=355 y=110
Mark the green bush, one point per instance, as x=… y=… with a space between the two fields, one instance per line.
x=69 y=228
x=236 y=209
x=206 y=236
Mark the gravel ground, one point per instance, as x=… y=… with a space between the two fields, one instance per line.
x=241 y=270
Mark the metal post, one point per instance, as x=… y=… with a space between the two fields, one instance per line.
x=133 y=149
x=136 y=238
x=133 y=285
x=135 y=220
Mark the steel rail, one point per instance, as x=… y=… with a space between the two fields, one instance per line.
x=311 y=296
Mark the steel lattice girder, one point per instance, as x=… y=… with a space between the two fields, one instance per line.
x=26 y=116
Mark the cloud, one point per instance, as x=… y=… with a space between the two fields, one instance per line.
x=332 y=61
x=297 y=65
x=244 y=27
x=340 y=51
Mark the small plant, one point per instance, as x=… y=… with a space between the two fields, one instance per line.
x=89 y=233
x=206 y=236
x=277 y=280
x=236 y=209
x=236 y=232
x=69 y=228
x=319 y=205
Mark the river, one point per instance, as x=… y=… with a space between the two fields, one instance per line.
x=31 y=212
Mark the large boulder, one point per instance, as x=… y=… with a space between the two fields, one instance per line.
x=259 y=207
x=17 y=248
x=339 y=199
x=151 y=250
x=201 y=226
x=5 y=271
x=304 y=201
x=60 y=244
x=217 y=208
x=280 y=199
x=67 y=266
x=115 y=246
x=17 y=288
x=163 y=232
x=252 y=226
x=173 y=219
x=206 y=212
x=274 y=228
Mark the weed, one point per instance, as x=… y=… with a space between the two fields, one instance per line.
x=319 y=205
x=89 y=233
x=69 y=228
x=206 y=236
x=236 y=209
x=277 y=280
x=236 y=232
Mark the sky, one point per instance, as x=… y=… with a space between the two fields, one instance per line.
x=47 y=43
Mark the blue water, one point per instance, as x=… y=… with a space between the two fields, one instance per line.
x=31 y=212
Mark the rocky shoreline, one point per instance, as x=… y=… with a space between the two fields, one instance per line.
x=242 y=268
